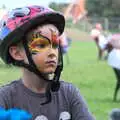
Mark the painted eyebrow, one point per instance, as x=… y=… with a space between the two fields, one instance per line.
x=38 y=34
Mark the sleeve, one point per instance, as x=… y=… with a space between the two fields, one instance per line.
x=78 y=106
x=102 y=42
x=3 y=98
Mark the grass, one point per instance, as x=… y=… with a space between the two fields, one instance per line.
x=95 y=79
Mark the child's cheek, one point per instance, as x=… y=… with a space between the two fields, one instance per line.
x=39 y=60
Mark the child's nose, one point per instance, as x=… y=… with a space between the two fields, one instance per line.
x=52 y=52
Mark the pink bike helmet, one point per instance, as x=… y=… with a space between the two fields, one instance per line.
x=18 y=21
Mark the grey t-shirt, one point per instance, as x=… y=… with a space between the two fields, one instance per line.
x=66 y=104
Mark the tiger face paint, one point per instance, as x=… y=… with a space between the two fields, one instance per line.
x=40 y=43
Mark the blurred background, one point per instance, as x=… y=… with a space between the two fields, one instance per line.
x=95 y=78
x=104 y=11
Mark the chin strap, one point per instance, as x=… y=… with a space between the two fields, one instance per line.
x=31 y=66
x=54 y=85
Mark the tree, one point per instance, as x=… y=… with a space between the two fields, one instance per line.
x=105 y=8
x=58 y=6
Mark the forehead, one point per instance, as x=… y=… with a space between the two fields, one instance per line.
x=45 y=30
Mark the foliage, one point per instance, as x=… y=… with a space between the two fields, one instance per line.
x=58 y=6
x=104 y=8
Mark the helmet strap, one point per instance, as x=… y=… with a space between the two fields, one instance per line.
x=53 y=85
x=56 y=84
x=31 y=62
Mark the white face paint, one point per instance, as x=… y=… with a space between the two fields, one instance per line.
x=41 y=117
x=65 y=116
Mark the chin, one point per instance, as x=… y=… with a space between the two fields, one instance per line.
x=49 y=71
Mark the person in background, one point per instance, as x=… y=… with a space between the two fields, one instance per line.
x=113 y=48
x=99 y=38
x=65 y=43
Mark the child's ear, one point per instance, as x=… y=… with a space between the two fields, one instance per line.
x=16 y=53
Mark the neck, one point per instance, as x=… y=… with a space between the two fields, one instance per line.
x=33 y=82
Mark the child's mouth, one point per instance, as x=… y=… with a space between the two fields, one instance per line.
x=51 y=62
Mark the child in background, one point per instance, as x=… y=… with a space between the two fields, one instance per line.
x=99 y=38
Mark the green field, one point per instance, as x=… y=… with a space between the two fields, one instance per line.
x=95 y=79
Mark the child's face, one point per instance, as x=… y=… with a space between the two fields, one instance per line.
x=43 y=44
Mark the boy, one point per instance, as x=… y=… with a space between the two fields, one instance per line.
x=30 y=39
x=114 y=59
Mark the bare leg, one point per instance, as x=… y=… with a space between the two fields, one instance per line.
x=100 y=52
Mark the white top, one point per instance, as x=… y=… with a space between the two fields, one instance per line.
x=101 y=38
x=114 y=58
x=102 y=41
x=114 y=55
x=95 y=33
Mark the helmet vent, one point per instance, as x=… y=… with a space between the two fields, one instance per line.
x=19 y=14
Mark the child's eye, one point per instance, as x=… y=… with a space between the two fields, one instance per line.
x=41 y=45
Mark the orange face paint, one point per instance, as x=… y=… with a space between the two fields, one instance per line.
x=40 y=43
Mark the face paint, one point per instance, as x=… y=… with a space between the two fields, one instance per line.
x=40 y=43
x=54 y=37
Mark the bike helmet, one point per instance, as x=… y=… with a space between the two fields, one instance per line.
x=18 y=21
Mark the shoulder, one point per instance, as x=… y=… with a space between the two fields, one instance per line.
x=69 y=90
x=8 y=87
x=73 y=95
x=66 y=86
x=94 y=32
x=6 y=94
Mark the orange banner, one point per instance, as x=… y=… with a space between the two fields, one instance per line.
x=76 y=10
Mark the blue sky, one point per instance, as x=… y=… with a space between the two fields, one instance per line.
x=18 y=3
